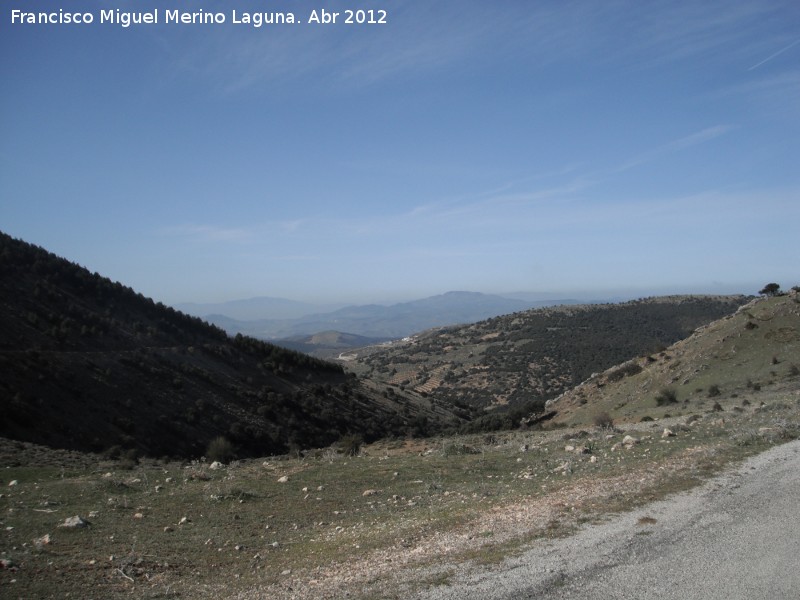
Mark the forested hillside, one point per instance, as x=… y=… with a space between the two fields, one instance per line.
x=523 y=359
x=89 y=364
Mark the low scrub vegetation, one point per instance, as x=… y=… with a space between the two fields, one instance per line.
x=361 y=524
x=666 y=396
x=221 y=450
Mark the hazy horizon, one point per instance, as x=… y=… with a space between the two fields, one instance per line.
x=616 y=294
x=462 y=145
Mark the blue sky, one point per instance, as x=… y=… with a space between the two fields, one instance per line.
x=464 y=145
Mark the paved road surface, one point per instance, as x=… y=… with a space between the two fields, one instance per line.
x=736 y=538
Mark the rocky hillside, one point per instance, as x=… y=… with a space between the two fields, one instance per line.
x=727 y=359
x=89 y=364
x=527 y=358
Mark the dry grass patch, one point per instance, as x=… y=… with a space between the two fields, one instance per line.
x=257 y=528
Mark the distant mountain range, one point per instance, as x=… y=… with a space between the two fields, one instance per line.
x=373 y=321
x=255 y=309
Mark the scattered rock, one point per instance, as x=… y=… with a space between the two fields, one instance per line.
x=667 y=433
x=629 y=441
x=184 y=520
x=75 y=522
x=569 y=448
x=593 y=459
x=370 y=493
x=168 y=529
x=138 y=515
x=583 y=450
x=13 y=483
x=283 y=479
x=40 y=543
x=523 y=448
x=216 y=465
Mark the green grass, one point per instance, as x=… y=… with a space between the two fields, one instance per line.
x=246 y=529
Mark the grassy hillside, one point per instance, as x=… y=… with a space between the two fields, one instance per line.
x=523 y=359
x=89 y=364
x=399 y=517
x=757 y=346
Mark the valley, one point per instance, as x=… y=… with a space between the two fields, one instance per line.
x=149 y=454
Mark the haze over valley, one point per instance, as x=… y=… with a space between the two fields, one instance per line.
x=367 y=302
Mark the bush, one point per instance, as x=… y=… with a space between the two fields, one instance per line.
x=350 y=444
x=666 y=396
x=604 y=420
x=627 y=370
x=220 y=449
x=713 y=391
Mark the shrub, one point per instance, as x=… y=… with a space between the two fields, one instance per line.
x=627 y=370
x=458 y=449
x=128 y=459
x=713 y=391
x=220 y=449
x=604 y=420
x=350 y=444
x=666 y=396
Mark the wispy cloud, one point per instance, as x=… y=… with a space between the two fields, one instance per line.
x=704 y=31
x=421 y=38
x=693 y=139
x=208 y=233
x=775 y=55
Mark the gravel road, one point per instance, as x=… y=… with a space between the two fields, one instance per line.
x=736 y=537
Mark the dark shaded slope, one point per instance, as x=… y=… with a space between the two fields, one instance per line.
x=89 y=364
